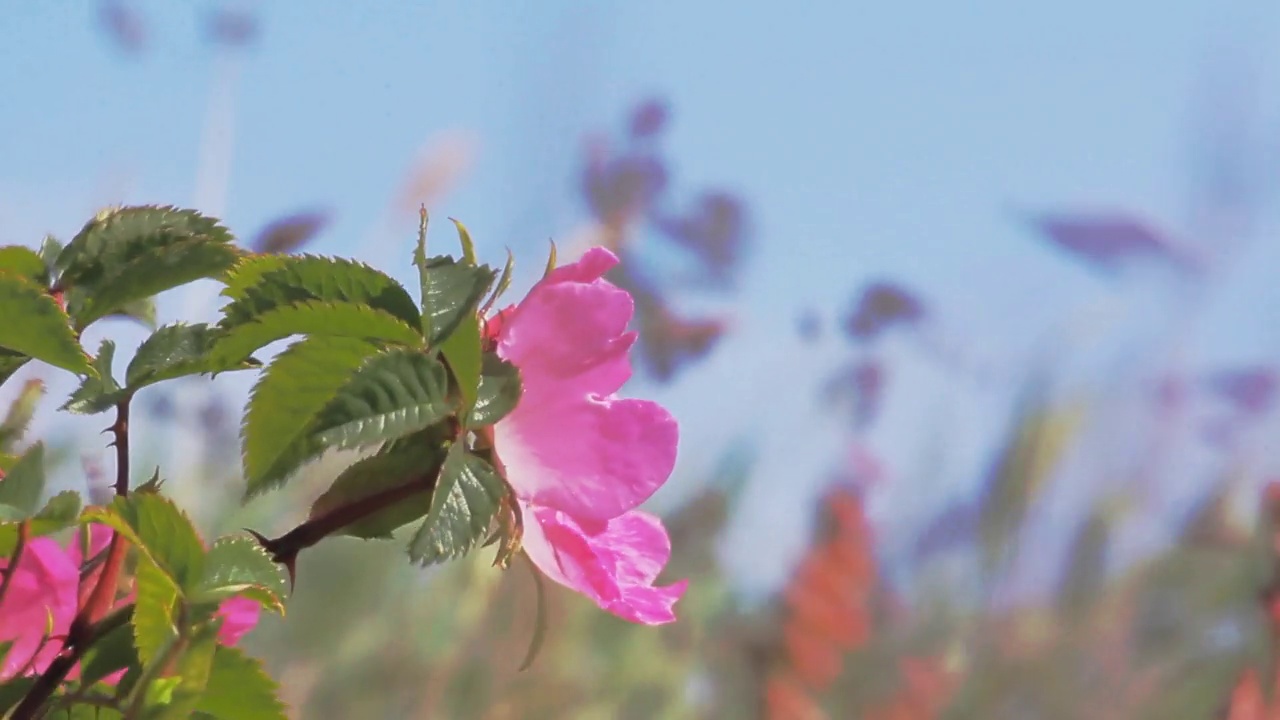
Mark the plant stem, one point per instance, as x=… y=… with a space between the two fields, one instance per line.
x=11 y=569
x=82 y=632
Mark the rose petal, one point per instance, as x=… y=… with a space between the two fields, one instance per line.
x=613 y=563
x=43 y=585
x=592 y=458
x=239 y=616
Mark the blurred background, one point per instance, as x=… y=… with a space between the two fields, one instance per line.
x=969 y=314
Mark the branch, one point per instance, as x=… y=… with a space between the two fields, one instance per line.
x=72 y=650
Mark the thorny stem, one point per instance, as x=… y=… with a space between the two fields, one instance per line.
x=83 y=631
x=285 y=549
x=53 y=676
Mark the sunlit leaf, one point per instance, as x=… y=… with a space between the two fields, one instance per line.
x=37 y=327
x=464 y=502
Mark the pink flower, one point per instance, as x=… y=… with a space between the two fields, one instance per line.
x=579 y=458
x=41 y=596
x=44 y=588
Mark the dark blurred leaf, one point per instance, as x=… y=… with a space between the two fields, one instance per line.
x=1085 y=574
x=1251 y=390
x=648 y=118
x=1107 y=240
x=714 y=231
x=19 y=414
x=290 y=233
x=233 y=28
x=122 y=24
x=620 y=190
x=881 y=306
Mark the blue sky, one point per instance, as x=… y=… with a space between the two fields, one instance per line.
x=870 y=139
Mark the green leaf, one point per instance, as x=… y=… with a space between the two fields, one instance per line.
x=450 y=292
x=391 y=468
x=462 y=350
x=393 y=394
x=100 y=392
x=177 y=350
x=161 y=531
x=151 y=273
x=35 y=326
x=314 y=317
x=144 y=311
x=112 y=652
x=192 y=673
x=60 y=513
x=239 y=566
x=239 y=689
x=504 y=282
x=468 y=247
x=20 y=413
x=10 y=363
x=465 y=500
x=286 y=402
x=24 y=262
x=262 y=283
x=154 y=613
x=499 y=392
x=13 y=690
x=118 y=235
x=24 y=484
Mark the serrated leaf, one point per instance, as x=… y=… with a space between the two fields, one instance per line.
x=239 y=689
x=462 y=350
x=99 y=392
x=450 y=293
x=59 y=513
x=22 y=487
x=192 y=672
x=261 y=283
x=504 y=282
x=314 y=317
x=499 y=392
x=10 y=363
x=37 y=327
x=112 y=652
x=154 y=622
x=24 y=262
x=20 y=413
x=465 y=500
x=286 y=402
x=239 y=566
x=468 y=247
x=389 y=469
x=177 y=350
x=116 y=236
x=160 y=531
x=151 y=273
x=393 y=394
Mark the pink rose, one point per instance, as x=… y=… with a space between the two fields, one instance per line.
x=579 y=458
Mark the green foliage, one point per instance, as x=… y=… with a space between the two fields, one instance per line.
x=390 y=468
x=239 y=689
x=13 y=690
x=129 y=254
x=451 y=292
x=98 y=392
x=24 y=262
x=44 y=332
x=113 y=652
x=176 y=351
x=19 y=415
x=464 y=502
x=314 y=317
x=59 y=513
x=265 y=282
x=23 y=485
x=155 y=622
x=160 y=531
x=239 y=566
x=286 y=404
x=462 y=351
x=504 y=282
x=499 y=392
x=177 y=698
x=393 y=394
x=10 y=363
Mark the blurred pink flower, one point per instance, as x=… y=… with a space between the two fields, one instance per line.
x=579 y=458
x=41 y=596
x=44 y=591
